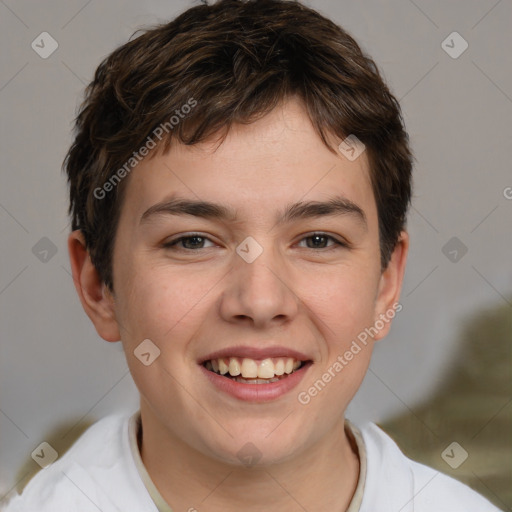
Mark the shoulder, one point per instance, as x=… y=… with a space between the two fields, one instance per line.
x=403 y=484
x=88 y=476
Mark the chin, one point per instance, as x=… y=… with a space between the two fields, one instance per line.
x=255 y=446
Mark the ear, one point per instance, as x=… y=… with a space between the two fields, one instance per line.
x=390 y=286
x=97 y=300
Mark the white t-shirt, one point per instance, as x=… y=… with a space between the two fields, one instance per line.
x=102 y=472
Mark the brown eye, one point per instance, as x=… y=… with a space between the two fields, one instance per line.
x=317 y=242
x=191 y=242
x=320 y=241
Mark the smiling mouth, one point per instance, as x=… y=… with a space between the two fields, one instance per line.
x=252 y=371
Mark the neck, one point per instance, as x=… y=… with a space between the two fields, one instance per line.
x=323 y=477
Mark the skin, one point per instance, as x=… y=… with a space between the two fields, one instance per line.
x=192 y=302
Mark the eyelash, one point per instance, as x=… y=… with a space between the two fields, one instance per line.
x=336 y=245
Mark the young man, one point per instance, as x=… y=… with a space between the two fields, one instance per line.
x=239 y=185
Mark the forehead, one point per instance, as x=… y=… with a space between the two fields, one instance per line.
x=258 y=167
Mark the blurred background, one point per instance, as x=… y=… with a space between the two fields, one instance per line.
x=440 y=384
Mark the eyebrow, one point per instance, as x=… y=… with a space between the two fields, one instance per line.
x=338 y=205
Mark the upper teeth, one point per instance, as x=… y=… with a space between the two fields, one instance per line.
x=251 y=368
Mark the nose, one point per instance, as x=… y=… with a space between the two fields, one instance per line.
x=259 y=293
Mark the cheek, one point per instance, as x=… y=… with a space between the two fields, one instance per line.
x=163 y=305
x=344 y=303
x=166 y=310
x=342 y=307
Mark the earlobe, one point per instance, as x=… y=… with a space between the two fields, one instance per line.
x=96 y=298
x=390 y=286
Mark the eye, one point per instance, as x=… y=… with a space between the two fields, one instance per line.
x=321 y=241
x=190 y=242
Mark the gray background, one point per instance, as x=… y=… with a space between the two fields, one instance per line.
x=57 y=375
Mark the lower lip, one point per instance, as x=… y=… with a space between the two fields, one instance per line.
x=256 y=392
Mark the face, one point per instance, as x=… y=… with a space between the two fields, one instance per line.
x=260 y=253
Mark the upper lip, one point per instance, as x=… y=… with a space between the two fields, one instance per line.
x=243 y=351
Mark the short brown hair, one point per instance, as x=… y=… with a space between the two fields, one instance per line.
x=238 y=60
